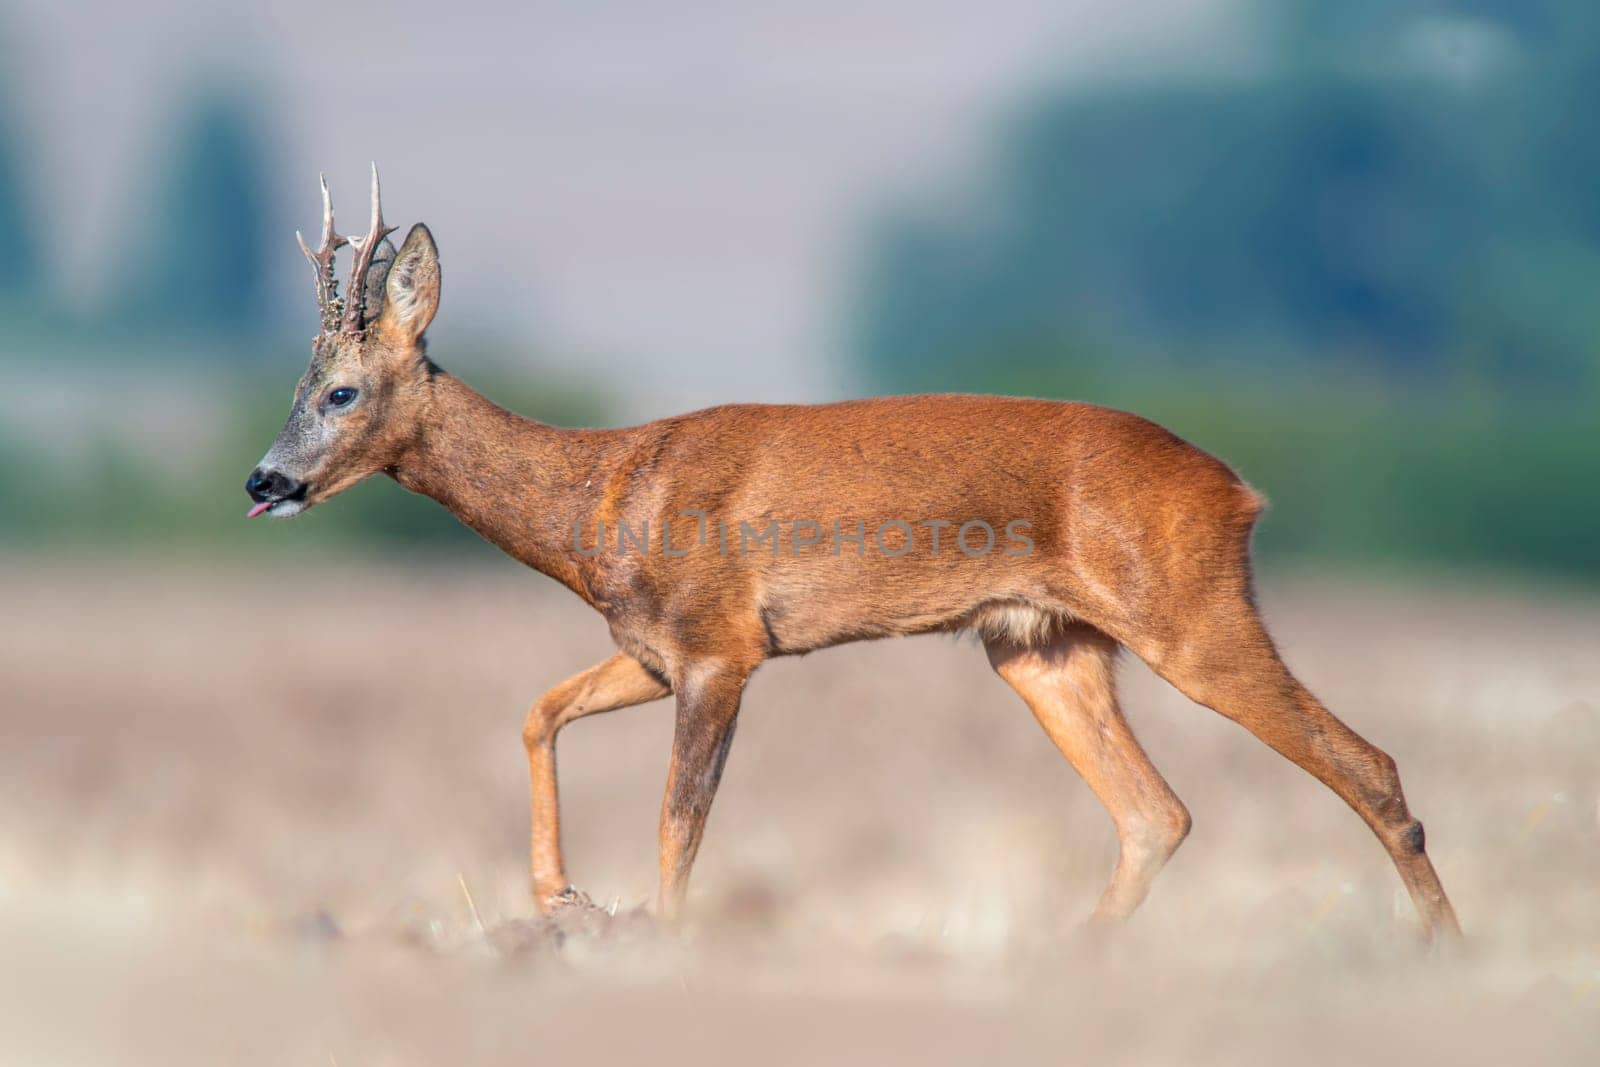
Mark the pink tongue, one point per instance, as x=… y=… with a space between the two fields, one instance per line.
x=258 y=509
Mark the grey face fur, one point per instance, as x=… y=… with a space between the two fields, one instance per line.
x=359 y=403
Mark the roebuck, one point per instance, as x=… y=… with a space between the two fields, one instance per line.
x=710 y=542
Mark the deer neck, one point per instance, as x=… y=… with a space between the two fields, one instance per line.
x=519 y=483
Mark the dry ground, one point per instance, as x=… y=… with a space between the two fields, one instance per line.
x=242 y=814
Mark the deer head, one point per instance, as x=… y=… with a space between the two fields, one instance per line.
x=363 y=399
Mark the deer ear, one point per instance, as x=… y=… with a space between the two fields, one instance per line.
x=411 y=291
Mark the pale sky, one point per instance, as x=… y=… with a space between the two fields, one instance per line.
x=675 y=192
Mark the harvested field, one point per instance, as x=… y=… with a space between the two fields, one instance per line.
x=279 y=816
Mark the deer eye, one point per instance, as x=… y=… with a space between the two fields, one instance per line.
x=341 y=397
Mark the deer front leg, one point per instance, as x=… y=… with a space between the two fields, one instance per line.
x=708 y=704
x=619 y=682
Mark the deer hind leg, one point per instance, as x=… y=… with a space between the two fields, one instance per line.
x=1070 y=686
x=619 y=682
x=1233 y=668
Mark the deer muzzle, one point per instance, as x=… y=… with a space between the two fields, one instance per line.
x=274 y=492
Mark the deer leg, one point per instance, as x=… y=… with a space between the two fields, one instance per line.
x=708 y=704
x=1070 y=687
x=619 y=682
x=1237 y=673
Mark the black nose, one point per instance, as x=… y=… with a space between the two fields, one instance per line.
x=265 y=485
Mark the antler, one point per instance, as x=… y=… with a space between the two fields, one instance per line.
x=355 y=309
x=322 y=262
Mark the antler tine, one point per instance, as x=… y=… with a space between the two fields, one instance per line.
x=322 y=261
x=355 y=311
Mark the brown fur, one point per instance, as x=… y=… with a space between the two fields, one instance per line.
x=1138 y=540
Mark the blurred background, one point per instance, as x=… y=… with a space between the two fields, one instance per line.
x=1351 y=246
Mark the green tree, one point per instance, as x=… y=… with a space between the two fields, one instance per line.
x=1404 y=180
x=20 y=266
x=200 y=254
